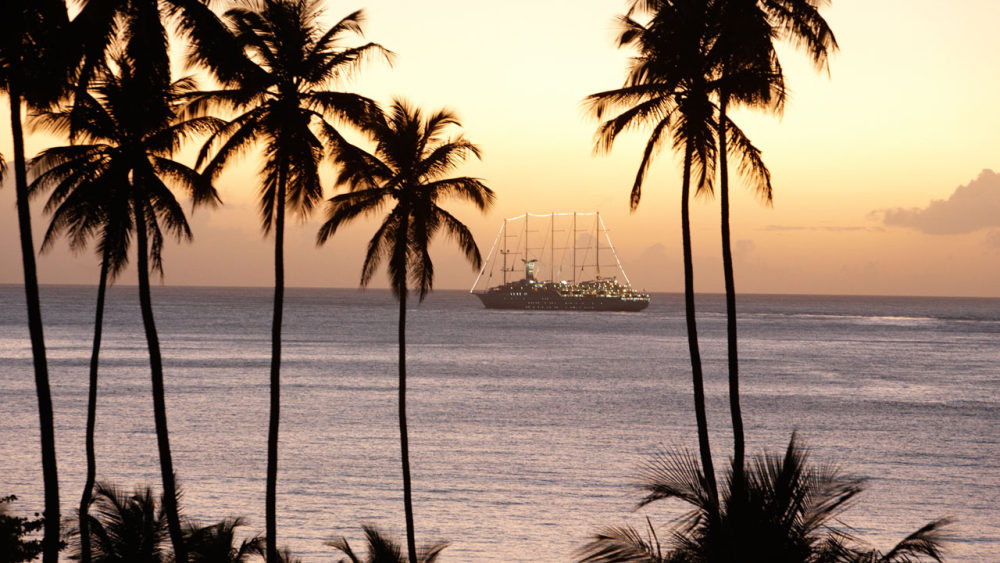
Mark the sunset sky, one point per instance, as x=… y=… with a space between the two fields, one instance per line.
x=882 y=169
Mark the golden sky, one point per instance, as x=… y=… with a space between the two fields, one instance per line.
x=879 y=168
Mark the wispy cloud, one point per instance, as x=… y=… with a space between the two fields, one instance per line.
x=827 y=228
x=970 y=208
x=993 y=240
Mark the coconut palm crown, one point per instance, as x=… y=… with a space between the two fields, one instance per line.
x=286 y=99
x=787 y=510
x=124 y=527
x=407 y=170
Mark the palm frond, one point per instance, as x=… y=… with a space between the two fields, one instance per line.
x=384 y=549
x=652 y=148
x=801 y=24
x=752 y=165
x=659 y=110
x=195 y=185
x=456 y=230
x=622 y=544
x=626 y=97
x=674 y=475
x=418 y=265
x=471 y=190
x=384 y=246
x=925 y=542
x=231 y=142
x=344 y=208
x=354 y=109
x=446 y=156
x=326 y=65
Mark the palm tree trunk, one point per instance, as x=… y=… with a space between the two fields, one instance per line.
x=692 y=330
x=404 y=442
x=270 y=501
x=727 y=268
x=46 y=424
x=156 y=370
x=88 y=487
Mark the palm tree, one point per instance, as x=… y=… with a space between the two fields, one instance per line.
x=33 y=71
x=382 y=549
x=132 y=528
x=113 y=187
x=81 y=216
x=750 y=75
x=285 y=98
x=125 y=528
x=786 y=511
x=667 y=86
x=670 y=84
x=407 y=170
x=88 y=199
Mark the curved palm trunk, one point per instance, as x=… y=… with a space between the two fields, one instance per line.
x=692 y=330
x=46 y=424
x=404 y=442
x=727 y=268
x=159 y=402
x=88 y=487
x=270 y=501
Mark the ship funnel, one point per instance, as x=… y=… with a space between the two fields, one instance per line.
x=529 y=269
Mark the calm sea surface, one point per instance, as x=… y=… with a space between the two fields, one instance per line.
x=526 y=427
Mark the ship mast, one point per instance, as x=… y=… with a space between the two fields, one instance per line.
x=597 y=250
x=552 y=247
x=574 y=248
x=504 y=251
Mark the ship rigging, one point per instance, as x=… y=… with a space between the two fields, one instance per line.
x=514 y=246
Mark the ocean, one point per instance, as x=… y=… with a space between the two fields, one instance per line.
x=527 y=428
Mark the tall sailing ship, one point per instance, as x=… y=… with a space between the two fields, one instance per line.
x=513 y=251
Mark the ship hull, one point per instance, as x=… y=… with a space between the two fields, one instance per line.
x=549 y=300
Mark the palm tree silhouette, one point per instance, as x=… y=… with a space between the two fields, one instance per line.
x=112 y=186
x=670 y=84
x=406 y=170
x=35 y=60
x=135 y=30
x=81 y=215
x=124 y=528
x=132 y=528
x=751 y=75
x=787 y=510
x=284 y=98
x=667 y=85
x=382 y=549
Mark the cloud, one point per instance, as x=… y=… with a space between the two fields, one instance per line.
x=743 y=248
x=993 y=240
x=970 y=208
x=826 y=228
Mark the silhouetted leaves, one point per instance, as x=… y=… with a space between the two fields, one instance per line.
x=382 y=549
x=785 y=510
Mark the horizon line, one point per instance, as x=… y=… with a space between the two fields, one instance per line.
x=386 y=289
